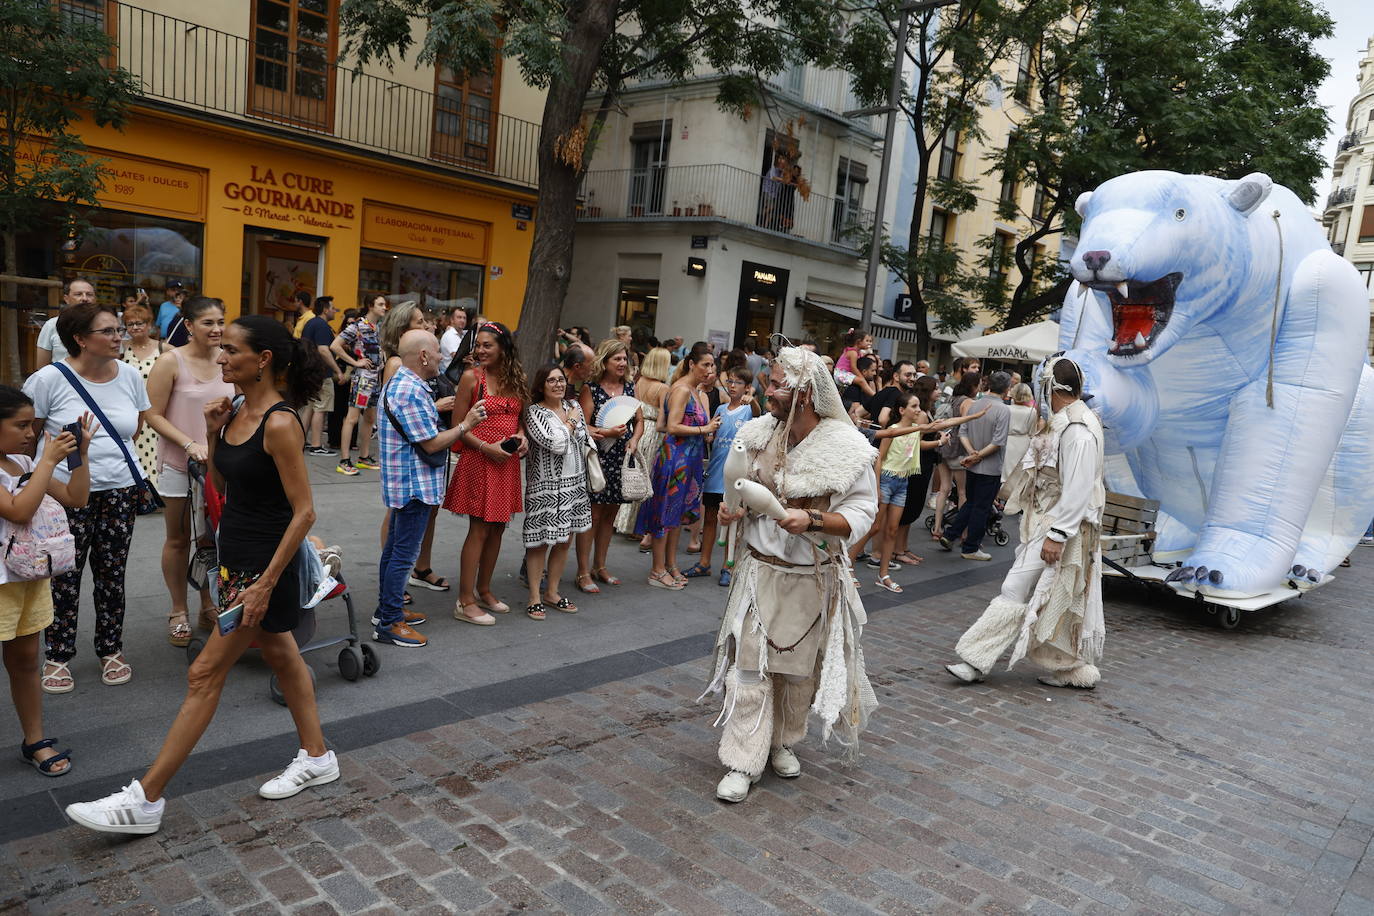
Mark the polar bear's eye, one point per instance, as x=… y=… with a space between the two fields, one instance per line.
x=1180 y=214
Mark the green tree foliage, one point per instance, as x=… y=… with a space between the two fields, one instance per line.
x=580 y=49
x=1185 y=85
x=53 y=73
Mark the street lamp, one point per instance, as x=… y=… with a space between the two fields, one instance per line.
x=894 y=95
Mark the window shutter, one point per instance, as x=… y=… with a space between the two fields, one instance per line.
x=1367 y=224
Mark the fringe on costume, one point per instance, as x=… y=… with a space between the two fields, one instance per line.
x=747 y=737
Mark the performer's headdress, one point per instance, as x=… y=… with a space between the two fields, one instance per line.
x=1046 y=385
x=803 y=370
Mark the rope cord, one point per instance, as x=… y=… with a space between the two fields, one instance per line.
x=1274 y=324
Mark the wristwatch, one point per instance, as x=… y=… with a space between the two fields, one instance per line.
x=817 y=522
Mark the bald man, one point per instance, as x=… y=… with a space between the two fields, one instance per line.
x=413 y=454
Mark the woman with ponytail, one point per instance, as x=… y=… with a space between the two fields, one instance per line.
x=256 y=452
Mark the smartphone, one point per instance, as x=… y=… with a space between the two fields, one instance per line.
x=74 y=459
x=511 y=445
x=229 y=620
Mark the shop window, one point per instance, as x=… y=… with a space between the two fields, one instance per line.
x=434 y=284
x=294 y=45
x=465 y=116
x=638 y=306
x=649 y=166
x=124 y=252
x=850 y=183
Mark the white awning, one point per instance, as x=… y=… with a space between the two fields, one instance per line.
x=1028 y=344
x=885 y=328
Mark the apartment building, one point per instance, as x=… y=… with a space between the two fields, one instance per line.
x=257 y=163
x=1006 y=100
x=1349 y=213
x=700 y=224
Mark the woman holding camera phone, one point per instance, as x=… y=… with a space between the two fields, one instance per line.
x=486 y=485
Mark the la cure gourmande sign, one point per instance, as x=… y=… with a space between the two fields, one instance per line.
x=289 y=197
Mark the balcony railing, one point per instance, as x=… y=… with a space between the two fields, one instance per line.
x=727 y=193
x=1349 y=140
x=188 y=65
x=1340 y=196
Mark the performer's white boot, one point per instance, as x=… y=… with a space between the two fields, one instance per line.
x=990 y=636
x=1084 y=677
x=791 y=705
x=745 y=739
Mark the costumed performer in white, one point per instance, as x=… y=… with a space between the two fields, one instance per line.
x=1050 y=607
x=789 y=640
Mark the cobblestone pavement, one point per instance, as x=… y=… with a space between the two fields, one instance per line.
x=1215 y=772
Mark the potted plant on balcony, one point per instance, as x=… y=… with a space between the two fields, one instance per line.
x=703 y=208
x=636 y=210
x=592 y=211
x=677 y=211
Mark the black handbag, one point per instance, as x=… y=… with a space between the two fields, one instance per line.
x=458 y=365
x=146 y=500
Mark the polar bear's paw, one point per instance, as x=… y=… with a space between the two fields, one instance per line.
x=1195 y=577
x=1304 y=577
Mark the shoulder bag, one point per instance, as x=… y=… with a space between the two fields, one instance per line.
x=437 y=459
x=146 y=500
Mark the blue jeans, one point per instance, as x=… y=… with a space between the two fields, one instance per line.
x=972 y=518
x=404 y=533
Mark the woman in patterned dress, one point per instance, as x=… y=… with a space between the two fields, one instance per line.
x=141 y=351
x=651 y=387
x=678 y=470
x=609 y=378
x=486 y=485
x=556 y=504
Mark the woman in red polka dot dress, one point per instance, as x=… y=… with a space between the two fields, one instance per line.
x=486 y=485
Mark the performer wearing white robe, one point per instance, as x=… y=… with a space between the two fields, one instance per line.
x=1050 y=606
x=789 y=640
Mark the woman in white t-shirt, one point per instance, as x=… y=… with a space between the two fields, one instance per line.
x=92 y=334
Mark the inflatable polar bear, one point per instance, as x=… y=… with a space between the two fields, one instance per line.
x=1224 y=346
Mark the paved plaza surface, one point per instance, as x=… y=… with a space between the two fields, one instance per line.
x=565 y=767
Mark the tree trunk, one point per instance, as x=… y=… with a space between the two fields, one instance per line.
x=9 y=317
x=1022 y=309
x=915 y=279
x=593 y=21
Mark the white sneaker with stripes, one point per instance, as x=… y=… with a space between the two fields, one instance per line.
x=122 y=812
x=301 y=774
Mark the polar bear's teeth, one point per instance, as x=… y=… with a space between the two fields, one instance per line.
x=1123 y=289
x=1140 y=341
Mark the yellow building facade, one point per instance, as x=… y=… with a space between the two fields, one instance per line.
x=257 y=164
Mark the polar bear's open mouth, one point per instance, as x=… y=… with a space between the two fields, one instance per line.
x=1140 y=311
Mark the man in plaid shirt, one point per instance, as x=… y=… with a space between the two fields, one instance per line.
x=411 y=488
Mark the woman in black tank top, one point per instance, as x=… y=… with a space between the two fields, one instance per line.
x=256 y=451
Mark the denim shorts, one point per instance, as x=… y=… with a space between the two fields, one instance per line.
x=892 y=489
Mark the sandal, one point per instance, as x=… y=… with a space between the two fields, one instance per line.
x=697 y=571
x=562 y=604
x=208 y=618
x=178 y=629
x=909 y=558
x=493 y=604
x=46 y=765
x=677 y=575
x=585 y=584
x=52 y=681
x=887 y=583
x=405 y=598
x=664 y=580
x=535 y=612
x=425 y=578
x=460 y=612
x=601 y=574
x=114 y=670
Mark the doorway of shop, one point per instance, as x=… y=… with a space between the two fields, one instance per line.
x=762 y=290
x=277 y=267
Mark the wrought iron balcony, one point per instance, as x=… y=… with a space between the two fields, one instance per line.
x=1350 y=140
x=1340 y=196
x=186 y=65
x=723 y=193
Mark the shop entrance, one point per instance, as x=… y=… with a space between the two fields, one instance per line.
x=762 y=290
x=276 y=266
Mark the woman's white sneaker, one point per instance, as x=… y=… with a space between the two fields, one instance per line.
x=126 y=811
x=302 y=773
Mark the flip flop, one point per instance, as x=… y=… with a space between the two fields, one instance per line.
x=486 y=620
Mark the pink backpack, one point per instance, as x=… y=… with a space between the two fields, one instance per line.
x=41 y=549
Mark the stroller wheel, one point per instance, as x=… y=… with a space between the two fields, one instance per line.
x=350 y=663
x=274 y=689
x=193 y=648
x=372 y=662
x=930 y=523
x=1000 y=538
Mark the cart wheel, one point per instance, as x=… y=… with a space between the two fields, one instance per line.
x=930 y=523
x=274 y=689
x=372 y=662
x=1228 y=618
x=1001 y=538
x=193 y=649
x=350 y=663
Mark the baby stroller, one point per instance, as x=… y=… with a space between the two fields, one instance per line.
x=994 y=530
x=321 y=580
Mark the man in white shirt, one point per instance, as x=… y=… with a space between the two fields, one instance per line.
x=50 y=348
x=452 y=338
